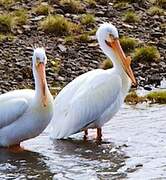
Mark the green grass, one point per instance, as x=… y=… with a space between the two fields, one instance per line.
x=56 y=24
x=20 y=16
x=157 y=97
x=87 y=19
x=128 y=44
x=146 y=54
x=155 y=10
x=7 y=22
x=43 y=9
x=131 y=17
x=72 y=6
x=106 y=64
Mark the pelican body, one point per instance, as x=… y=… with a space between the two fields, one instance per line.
x=93 y=98
x=25 y=113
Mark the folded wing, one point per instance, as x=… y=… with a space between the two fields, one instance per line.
x=90 y=101
x=11 y=110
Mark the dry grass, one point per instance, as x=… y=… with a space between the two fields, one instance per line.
x=87 y=19
x=90 y=3
x=55 y=24
x=128 y=44
x=132 y=98
x=7 y=22
x=20 y=16
x=146 y=54
x=106 y=64
x=72 y=6
x=43 y=9
x=131 y=17
x=155 y=10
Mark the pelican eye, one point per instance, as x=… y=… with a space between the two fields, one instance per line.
x=37 y=61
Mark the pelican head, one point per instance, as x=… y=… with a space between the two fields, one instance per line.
x=39 y=59
x=108 y=39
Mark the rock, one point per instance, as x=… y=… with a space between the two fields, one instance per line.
x=62 y=47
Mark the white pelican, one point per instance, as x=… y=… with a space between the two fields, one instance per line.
x=93 y=98
x=25 y=113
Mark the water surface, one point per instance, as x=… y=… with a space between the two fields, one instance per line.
x=133 y=147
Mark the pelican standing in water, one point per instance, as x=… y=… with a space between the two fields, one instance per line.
x=25 y=113
x=93 y=98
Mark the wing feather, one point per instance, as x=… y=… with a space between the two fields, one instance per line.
x=89 y=102
x=11 y=110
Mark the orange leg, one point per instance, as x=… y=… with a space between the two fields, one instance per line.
x=15 y=148
x=99 y=134
x=85 y=134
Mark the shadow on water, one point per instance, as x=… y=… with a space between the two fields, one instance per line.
x=103 y=158
x=23 y=165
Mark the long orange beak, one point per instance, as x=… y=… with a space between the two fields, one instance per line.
x=42 y=76
x=126 y=61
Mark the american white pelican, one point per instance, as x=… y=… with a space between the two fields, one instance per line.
x=25 y=113
x=93 y=98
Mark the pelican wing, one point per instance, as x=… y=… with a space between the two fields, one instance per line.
x=11 y=110
x=91 y=99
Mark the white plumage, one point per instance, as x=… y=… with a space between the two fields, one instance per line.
x=24 y=113
x=93 y=98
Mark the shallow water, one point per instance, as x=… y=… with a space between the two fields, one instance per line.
x=133 y=147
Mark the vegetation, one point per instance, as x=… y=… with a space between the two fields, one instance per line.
x=91 y=3
x=102 y=2
x=154 y=97
x=72 y=6
x=7 y=22
x=131 y=17
x=56 y=64
x=133 y=98
x=87 y=19
x=120 y=5
x=127 y=43
x=157 y=97
x=56 y=24
x=148 y=53
x=20 y=16
x=161 y=3
x=8 y=37
x=83 y=38
x=6 y=3
x=154 y=10
x=140 y=2
x=106 y=64
x=43 y=9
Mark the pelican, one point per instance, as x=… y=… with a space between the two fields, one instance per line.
x=25 y=113
x=93 y=98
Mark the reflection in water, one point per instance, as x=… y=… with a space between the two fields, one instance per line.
x=23 y=165
x=136 y=131
x=81 y=157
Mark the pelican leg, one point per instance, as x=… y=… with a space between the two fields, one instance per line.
x=15 y=148
x=85 y=134
x=99 y=134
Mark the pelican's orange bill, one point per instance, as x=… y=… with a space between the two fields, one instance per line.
x=42 y=76
x=115 y=44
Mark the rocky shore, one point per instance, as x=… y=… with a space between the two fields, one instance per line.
x=67 y=60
